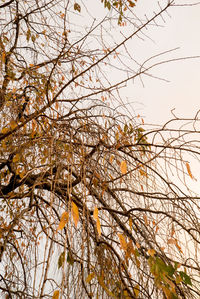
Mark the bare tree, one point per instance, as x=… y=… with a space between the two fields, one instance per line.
x=94 y=204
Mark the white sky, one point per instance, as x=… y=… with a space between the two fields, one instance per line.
x=157 y=98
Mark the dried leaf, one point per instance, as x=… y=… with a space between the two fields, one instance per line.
x=13 y=124
x=171 y=241
x=75 y=213
x=4 y=130
x=145 y=220
x=55 y=295
x=95 y=213
x=142 y=172
x=151 y=252
x=16 y=158
x=63 y=220
x=98 y=226
x=178 y=279
x=3 y=57
x=77 y=7
x=189 y=170
x=130 y=223
x=123 y=167
x=122 y=242
x=137 y=245
x=126 y=295
x=70 y=258
x=111 y=158
x=136 y=290
x=90 y=277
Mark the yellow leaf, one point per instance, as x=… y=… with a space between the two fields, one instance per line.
x=90 y=277
x=189 y=170
x=16 y=158
x=122 y=242
x=130 y=223
x=63 y=220
x=55 y=295
x=95 y=213
x=137 y=245
x=98 y=226
x=111 y=159
x=126 y=295
x=75 y=213
x=4 y=130
x=136 y=290
x=151 y=252
x=123 y=167
x=102 y=284
x=142 y=172
x=178 y=279
x=13 y=124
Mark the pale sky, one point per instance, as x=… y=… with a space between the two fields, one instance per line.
x=181 y=30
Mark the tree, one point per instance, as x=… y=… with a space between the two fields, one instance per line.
x=94 y=204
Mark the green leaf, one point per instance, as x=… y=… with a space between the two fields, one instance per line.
x=61 y=260
x=170 y=270
x=185 y=277
x=70 y=259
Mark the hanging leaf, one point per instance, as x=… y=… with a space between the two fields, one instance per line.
x=122 y=242
x=16 y=158
x=75 y=213
x=95 y=213
x=61 y=259
x=77 y=7
x=151 y=252
x=55 y=295
x=131 y=3
x=4 y=130
x=189 y=170
x=123 y=167
x=70 y=259
x=130 y=223
x=136 y=290
x=186 y=279
x=3 y=57
x=98 y=226
x=126 y=295
x=63 y=220
x=90 y=277
x=111 y=158
x=178 y=279
x=13 y=124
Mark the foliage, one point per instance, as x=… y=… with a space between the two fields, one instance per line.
x=90 y=207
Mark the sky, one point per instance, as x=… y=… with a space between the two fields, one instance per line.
x=152 y=98
x=157 y=98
